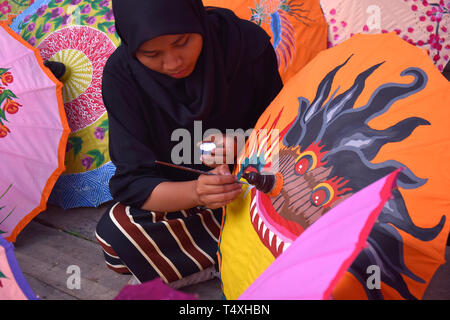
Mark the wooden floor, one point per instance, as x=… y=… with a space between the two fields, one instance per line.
x=57 y=239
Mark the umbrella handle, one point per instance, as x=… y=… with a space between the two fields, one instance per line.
x=57 y=68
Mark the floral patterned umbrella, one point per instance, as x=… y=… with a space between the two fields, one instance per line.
x=80 y=34
x=11 y=8
x=423 y=23
x=33 y=133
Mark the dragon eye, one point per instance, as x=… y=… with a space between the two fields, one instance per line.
x=321 y=195
x=304 y=164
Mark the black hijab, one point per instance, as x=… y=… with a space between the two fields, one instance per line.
x=225 y=48
x=235 y=79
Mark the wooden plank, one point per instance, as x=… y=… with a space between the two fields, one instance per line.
x=78 y=221
x=46 y=254
x=46 y=292
x=208 y=290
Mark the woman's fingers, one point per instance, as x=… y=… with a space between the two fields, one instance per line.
x=217 y=139
x=219 y=200
x=217 y=180
x=210 y=161
x=220 y=189
x=225 y=150
x=216 y=158
x=222 y=169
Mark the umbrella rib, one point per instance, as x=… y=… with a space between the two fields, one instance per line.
x=25 y=157
x=27 y=198
x=8 y=215
x=24 y=197
x=36 y=127
x=17 y=58
x=34 y=90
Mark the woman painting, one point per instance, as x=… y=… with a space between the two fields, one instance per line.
x=179 y=64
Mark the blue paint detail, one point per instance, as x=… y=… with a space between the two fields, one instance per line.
x=275 y=25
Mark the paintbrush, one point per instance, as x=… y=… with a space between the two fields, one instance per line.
x=191 y=170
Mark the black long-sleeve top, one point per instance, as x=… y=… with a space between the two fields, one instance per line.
x=140 y=133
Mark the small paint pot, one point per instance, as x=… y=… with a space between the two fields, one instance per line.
x=207 y=147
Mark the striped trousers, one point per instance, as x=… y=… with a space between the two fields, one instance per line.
x=168 y=245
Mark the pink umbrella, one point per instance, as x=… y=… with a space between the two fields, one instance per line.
x=13 y=285
x=315 y=262
x=423 y=23
x=33 y=133
x=152 y=290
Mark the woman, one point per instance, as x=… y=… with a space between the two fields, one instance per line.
x=178 y=65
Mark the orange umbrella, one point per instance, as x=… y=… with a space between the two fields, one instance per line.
x=355 y=113
x=298 y=28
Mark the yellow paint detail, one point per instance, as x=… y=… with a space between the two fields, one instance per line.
x=244 y=257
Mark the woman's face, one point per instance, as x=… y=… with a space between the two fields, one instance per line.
x=174 y=55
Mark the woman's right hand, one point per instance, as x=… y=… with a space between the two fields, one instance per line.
x=215 y=191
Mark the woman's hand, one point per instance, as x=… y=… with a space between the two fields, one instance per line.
x=225 y=152
x=215 y=191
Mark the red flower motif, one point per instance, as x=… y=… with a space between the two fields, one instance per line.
x=5 y=8
x=7 y=78
x=3 y=131
x=11 y=106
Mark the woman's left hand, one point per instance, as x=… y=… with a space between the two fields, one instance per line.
x=224 y=153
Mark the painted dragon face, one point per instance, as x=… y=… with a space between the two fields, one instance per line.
x=308 y=193
x=324 y=156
